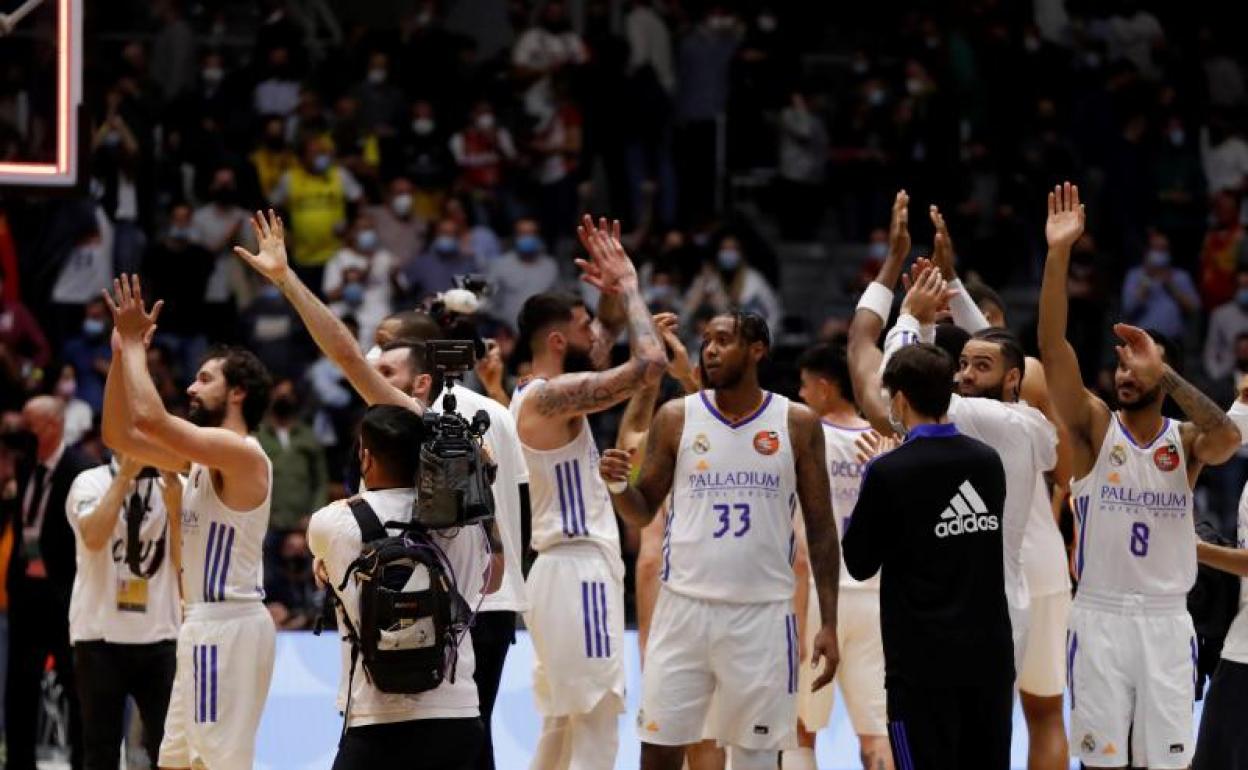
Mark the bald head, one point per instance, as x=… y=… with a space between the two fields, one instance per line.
x=45 y=418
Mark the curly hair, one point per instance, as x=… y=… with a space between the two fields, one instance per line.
x=242 y=369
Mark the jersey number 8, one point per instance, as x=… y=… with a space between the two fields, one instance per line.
x=1139 y=539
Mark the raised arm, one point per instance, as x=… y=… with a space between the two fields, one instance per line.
x=117 y=426
x=966 y=314
x=1210 y=437
x=216 y=448
x=1081 y=412
x=609 y=269
x=638 y=503
x=873 y=310
x=814 y=494
x=330 y=334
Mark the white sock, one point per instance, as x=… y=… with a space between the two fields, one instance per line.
x=798 y=759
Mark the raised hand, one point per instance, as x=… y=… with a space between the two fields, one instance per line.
x=271 y=260
x=928 y=294
x=1140 y=355
x=608 y=267
x=678 y=364
x=490 y=367
x=131 y=319
x=871 y=444
x=899 y=227
x=942 y=245
x=1066 y=217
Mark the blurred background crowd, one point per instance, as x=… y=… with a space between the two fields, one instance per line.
x=750 y=148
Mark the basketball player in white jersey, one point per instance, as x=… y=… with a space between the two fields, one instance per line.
x=1020 y=434
x=226 y=644
x=826 y=388
x=1131 y=645
x=576 y=589
x=736 y=460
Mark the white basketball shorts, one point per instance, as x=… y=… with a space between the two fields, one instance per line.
x=1043 y=672
x=745 y=656
x=860 y=675
x=1132 y=669
x=225 y=663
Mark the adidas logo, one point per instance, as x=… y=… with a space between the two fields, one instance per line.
x=966 y=513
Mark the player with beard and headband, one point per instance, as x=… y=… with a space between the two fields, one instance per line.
x=1131 y=645
x=225 y=646
x=576 y=616
x=736 y=460
x=827 y=389
x=1020 y=434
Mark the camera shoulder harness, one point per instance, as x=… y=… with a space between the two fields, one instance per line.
x=410 y=613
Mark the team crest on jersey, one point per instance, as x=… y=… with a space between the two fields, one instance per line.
x=1166 y=457
x=1089 y=744
x=701 y=444
x=767 y=442
x=1117 y=455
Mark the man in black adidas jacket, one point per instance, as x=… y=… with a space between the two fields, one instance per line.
x=928 y=518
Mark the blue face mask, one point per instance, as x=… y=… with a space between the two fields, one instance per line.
x=728 y=259
x=353 y=293
x=1157 y=258
x=93 y=327
x=366 y=240
x=446 y=245
x=271 y=292
x=322 y=162
x=528 y=245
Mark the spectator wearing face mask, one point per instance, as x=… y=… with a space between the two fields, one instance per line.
x=1157 y=295
x=877 y=251
x=542 y=51
x=89 y=353
x=278 y=92
x=520 y=273
x=360 y=279
x=316 y=193
x=400 y=229
x=421 y=153
x=482 y=149
x=176 y=268
x=272 y=158
x=219 y=226
x=1227 y=324
x=78 y=415
x=381 y=102
x=435 y=270
x=1179 y=185
x=299 y=471
x=730 y=282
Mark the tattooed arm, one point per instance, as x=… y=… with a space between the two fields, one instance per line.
x=814 y=493
x=638 y=503
x=1210 y=436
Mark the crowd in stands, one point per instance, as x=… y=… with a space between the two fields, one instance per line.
x=419 y=142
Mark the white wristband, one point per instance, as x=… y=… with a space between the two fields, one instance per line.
x=878 y=298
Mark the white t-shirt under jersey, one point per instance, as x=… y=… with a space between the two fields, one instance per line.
x=109 y=603
x=334 y=537
x=504 y=444
x=1044 y=550
x=728 y=535
x=222 y=549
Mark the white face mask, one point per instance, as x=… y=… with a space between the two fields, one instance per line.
x=485 y=121
x=401 y=204
x=897 y=425
x=376 y=77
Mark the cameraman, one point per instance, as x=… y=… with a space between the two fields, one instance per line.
x=441 y=727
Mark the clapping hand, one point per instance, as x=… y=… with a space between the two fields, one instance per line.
x=131 y=320
x=608 y=267
x=271 y=260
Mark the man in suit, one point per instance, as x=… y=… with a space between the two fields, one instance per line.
x=41 y=578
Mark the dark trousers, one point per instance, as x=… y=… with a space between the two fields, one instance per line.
x=1223 y=741
x=937 y=728
x=38 y=627
x=428 y=744
x=492 y=634
x=107 y=673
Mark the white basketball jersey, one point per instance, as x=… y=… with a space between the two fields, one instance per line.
x=729 y=527
x=845 y=477
x=1134 y=513
x=222 y=549
x=569 y=499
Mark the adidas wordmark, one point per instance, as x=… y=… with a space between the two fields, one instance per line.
x=966 y=513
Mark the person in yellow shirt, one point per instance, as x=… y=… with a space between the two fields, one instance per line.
x=317 y=193
x=272 y=158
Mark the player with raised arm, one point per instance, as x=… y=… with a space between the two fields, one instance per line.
x=226 y=644
x=1131 y=644
x=576 y=613
x=736 y=460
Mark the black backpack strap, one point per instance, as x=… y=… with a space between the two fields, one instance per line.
x=370 y=526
